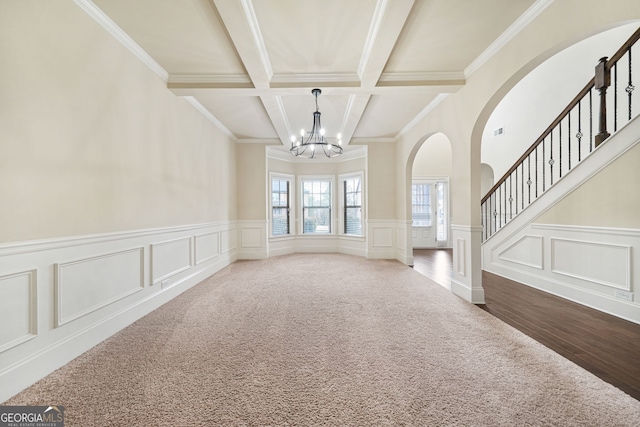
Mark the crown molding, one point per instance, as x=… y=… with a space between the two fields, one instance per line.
x=210 y=79
x=265 y=141
x=360 y=140
x=118 y=33
x=519 y=24
x=349 y=153
x=423 y=78
x=304 y=79
x=207 y=114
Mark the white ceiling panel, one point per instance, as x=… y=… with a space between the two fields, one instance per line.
x=314 y=36
x=184 y=37
x=244 y=116
x=447 y=36
x=386 y=114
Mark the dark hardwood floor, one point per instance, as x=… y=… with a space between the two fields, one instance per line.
x=604 y=345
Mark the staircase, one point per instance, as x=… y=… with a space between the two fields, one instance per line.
x=568 y=140
x=591 y=148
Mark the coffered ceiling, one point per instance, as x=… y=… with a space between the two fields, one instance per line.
x=250 y=65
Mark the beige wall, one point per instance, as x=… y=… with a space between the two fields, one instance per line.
x=381 y=181
x=433 y=158
x=252 y=167
x=91 y=141
x=609 y=199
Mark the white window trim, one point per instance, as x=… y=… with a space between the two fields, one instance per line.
x=299 y=207
x=341 y=179
x=292 y=205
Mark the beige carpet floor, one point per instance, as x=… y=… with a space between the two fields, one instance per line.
x=335 y=340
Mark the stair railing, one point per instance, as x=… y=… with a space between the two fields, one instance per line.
x=567 y=141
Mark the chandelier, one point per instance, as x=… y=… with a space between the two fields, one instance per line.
x=315 y=141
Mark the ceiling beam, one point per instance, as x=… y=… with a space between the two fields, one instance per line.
x=242 y=26
x=387 y=23
x=195 y=89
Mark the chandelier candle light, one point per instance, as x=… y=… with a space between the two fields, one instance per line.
x=316 y=141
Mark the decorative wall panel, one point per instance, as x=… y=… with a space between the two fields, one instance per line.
x=602 y=263
x=18 y=309
x=85 y=285
x=207 y=246
x=170 y=258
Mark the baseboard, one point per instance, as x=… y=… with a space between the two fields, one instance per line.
x=472 y=295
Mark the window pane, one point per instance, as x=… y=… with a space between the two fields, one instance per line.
x=316 y=204
x=352 y=208
x=280 y=223
x=421 y=205
x=353 y=223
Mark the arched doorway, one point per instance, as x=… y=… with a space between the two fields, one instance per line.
x=430 y=193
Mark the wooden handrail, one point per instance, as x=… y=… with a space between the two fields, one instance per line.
x=574 y=102
x=625 y=47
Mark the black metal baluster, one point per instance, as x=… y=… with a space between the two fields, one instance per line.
x=569 y=137
x=522 y=184
x=551 y=161
x=590 y=120
x=494 y=214
x=529 y=174
x=615 y=97
x=510 y=200
x=505 y=203
x=544 y=179
x=537 y=170
x=500 y=204
x=516 y=173
x=560 y=147
x=630 y=88
x=579 y=134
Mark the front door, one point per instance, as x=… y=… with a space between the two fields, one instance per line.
x=429 y=213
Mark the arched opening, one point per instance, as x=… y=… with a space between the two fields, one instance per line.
x=487 y=178
x=430 y=188
x=429 y=185
x=534 y=102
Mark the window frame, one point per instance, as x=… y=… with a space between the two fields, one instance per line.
x=291 y=205
x=301 y=205
x=343 y=206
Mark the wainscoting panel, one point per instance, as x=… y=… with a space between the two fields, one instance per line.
x=253 y=239
x=207 y=246
x=382 y=239
x=170 y=258
x=601 y=263
x=60 y=297
x=525 y=251
x=594 y=266
x=85 y=285
x=461 y=261
x=18 y=309
x=228 y=240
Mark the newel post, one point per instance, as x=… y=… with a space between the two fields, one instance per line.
x=602 y=82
